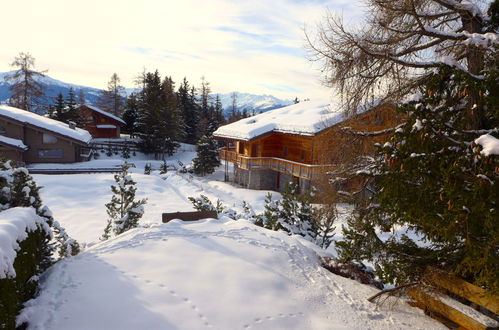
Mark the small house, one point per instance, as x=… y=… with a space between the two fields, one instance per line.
x=100 y=123
x=300 y=143
x=31 y=138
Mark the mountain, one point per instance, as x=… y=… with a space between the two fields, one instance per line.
x=52 y=88
x=251 y=102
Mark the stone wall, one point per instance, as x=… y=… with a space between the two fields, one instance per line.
x=267 y=180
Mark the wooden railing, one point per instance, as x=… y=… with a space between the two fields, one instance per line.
x=301 y=170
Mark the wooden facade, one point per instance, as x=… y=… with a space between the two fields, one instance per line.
x=99 y=123
x=309 y=157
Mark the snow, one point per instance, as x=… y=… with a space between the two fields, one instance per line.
x=45 y=123
x=105 y=113
x=218 y=274
x=13 y=142
x=15 y=223
x=305 y=118
x=489 y=144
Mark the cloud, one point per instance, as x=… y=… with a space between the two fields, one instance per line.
x=250 y=46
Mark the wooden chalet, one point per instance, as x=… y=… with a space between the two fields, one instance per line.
x=100 y=123
x=300 y=143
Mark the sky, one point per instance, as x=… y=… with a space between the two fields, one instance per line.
x=253 y=46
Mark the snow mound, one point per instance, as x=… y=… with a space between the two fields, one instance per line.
x=15 y=224
x=218 y=274
x=489 y=144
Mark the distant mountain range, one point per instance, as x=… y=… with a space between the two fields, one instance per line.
x=252 y=103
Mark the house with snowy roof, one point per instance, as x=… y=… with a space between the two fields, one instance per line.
x=299 y=143
x=31 y=138
x=100 y=123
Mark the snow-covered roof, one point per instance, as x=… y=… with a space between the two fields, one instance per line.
x=13 y=142
x=304 y=118
x=105 y=126
x=105 y=113
x=45 y=123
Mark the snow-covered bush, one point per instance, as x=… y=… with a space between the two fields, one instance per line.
x=203 y=203
x=124 y=211
x=29 y=237
x=147 y=168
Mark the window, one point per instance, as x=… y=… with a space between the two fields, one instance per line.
x=303 y=154
x=285 y=151
x=50 y=153
x=241 y=148
x=49 y=139
x=3 y=130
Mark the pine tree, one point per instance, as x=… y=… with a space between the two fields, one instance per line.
x=147 y=168
x=159 y=123
x=57 y=112
x=124 y=211
x=207 y=159
x=26 y=89
x=131 y=114
x=189 y=111
x=70 y=113
x=163 y=168
x=433 y=181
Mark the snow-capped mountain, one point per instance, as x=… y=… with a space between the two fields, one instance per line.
x=252 y=103
x=52 y=88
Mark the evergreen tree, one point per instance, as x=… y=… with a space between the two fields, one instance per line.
x=26 y=89
x=124 y=211
x=433 y=180
x=234 y=113
x=189 y=111
x=206 y=160
x=58 y=108
x=163 y=168
x=159 y=123
x=70 y=113
x=131 y=114
x=147 y=168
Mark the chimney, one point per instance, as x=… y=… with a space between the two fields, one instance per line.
x=72 y=124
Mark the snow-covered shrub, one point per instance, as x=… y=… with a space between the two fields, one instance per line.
x=163 y=168
x=203 y=203
x=124 y=211
x=29 y=236
x=147 y=168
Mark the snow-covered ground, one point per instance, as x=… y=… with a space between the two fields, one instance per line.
x=215 y=274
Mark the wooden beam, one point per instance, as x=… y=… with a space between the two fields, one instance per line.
x=434 y=304
x=189 y=216
x=462 y=288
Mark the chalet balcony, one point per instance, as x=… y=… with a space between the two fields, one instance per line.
x=306 y=171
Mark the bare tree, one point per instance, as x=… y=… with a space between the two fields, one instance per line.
x=112 y=100
x=25 y=86
x=387 y=56
x=234 y=114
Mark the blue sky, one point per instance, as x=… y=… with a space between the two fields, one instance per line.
x=248 y=46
